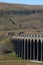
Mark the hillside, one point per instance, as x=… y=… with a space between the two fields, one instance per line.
x=21 y=17
x=16 y=19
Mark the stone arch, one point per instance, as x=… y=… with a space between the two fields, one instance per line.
x=39 y=50
x=42 y=50
x=19 y=47
x=35 y=49
x=22 y=50
x=25 y=48
x=15 y=44
x=19 y=42
x=28 y=48
x=31 y=49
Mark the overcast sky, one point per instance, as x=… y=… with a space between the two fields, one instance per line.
x=31 y=2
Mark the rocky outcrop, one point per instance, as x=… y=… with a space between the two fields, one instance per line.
x=13 y=12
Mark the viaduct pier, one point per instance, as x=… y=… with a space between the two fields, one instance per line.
x=29 y=48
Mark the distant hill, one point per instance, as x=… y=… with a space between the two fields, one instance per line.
x=20 y=17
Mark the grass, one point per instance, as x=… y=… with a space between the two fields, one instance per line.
x=19 y=63
x=9 y=56
x=12 y=59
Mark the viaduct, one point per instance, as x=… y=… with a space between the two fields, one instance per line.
x=29 y=48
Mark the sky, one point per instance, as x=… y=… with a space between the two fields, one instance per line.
x=30 y=2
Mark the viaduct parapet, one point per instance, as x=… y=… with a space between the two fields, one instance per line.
x=29 y=48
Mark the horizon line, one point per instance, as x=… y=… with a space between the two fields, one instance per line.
x=21 y=3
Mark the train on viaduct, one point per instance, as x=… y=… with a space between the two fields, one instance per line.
x=28 y=48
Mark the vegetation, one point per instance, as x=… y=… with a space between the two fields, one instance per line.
x=9 y=56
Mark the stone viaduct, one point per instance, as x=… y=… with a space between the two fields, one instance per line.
x=28 y=48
